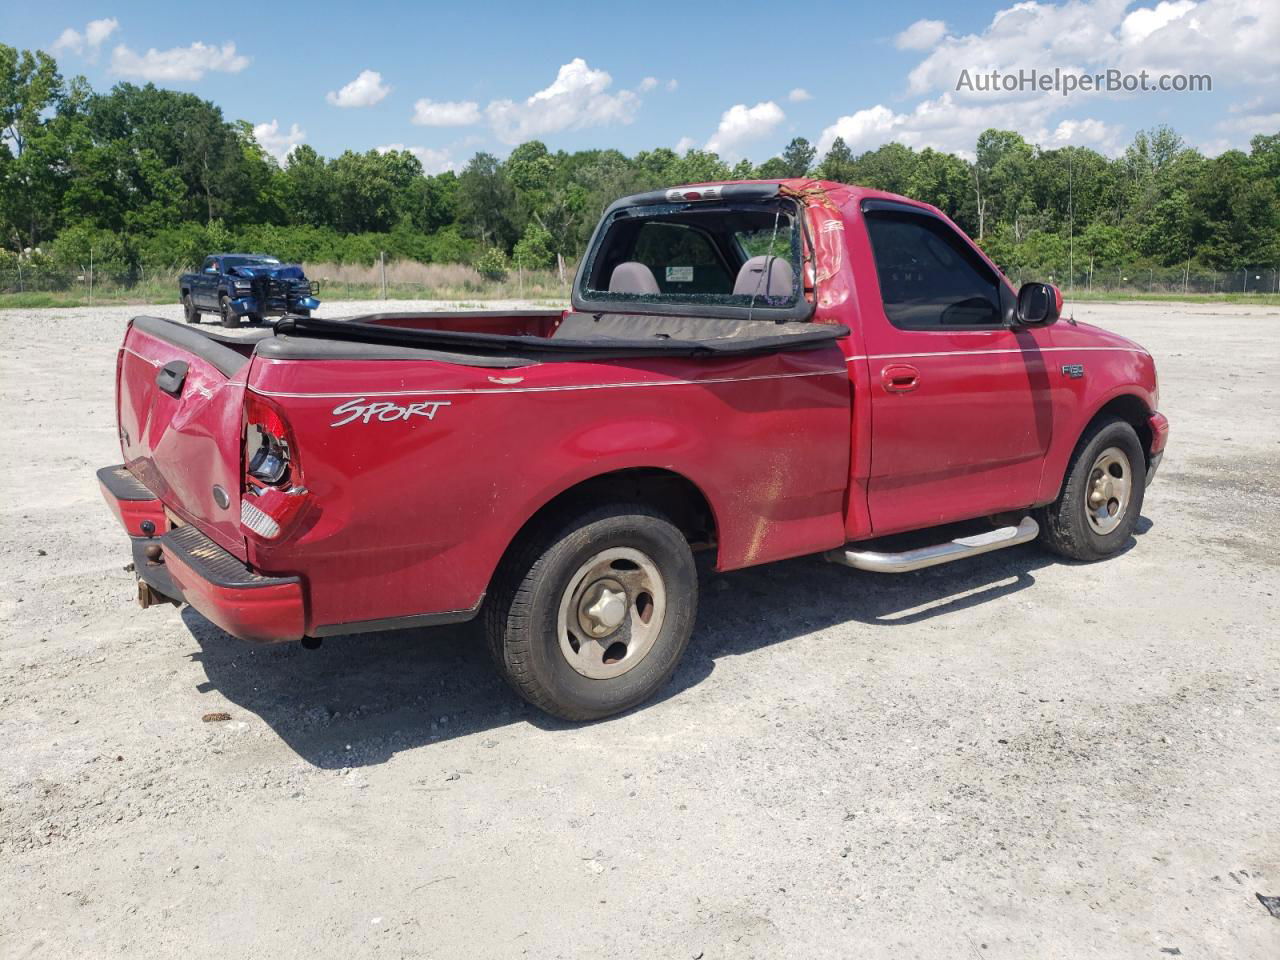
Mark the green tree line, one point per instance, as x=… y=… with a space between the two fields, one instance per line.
x=141 y=175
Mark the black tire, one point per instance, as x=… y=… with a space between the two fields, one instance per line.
x=1065 y=525
x=255 y=319
x=189 y=311
x=302 y=313
x=522 y=614
x=229 y=317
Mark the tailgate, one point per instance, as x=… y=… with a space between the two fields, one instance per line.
x=179 y=405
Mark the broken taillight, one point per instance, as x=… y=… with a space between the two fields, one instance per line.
x=272 y=496
x=266 y=442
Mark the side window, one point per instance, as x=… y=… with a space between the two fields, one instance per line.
x=683 y=260
x=210 y=265
x=929 y=278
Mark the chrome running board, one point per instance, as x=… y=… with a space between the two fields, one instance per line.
x=880 y=561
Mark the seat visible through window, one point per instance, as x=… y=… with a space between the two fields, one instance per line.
x=632 y=277
x=765 y=276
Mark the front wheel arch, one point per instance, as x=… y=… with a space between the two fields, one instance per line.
x=1129 y=407
x=1134 y=411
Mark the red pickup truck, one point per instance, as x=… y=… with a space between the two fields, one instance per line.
x=754 y=370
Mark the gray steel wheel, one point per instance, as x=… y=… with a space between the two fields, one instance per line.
x=1108 y=490
x=1101 y=496
x=611 y=612
x=590 y=611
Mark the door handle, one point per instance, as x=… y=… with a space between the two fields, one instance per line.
x=899 y=378
x=171 y=377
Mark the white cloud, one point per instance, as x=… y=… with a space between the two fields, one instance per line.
x=1213 y=148
x=921 y=35
x=685 y=144
x=1259 y=114
x=578 y=98
x=98 y=30
x=1232 y=39
x=647 y=84
x=276 y=142
x=953 y=126
x=673 y=85
x=364 y=91
x=177 y=64
x=741 y=124
x=69 y=40
x=1145 y=21
x=1101 y=136
x=799 y=95
x=95 y=33
x=433 y=161
x=434 y=113
x=862 y=129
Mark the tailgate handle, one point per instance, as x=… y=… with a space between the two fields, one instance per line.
x=171 y=377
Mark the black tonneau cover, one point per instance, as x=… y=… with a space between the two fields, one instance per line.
x=580 y=336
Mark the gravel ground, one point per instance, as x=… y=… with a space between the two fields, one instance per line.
x=1010 y=757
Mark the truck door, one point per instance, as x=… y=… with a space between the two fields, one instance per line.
x=205 y=293
x=960 y=409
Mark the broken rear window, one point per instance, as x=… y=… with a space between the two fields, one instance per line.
x=743 y=254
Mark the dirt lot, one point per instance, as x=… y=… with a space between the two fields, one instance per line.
x=1008 y=758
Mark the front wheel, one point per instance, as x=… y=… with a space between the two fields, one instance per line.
x=1101 y=498
x=591 y=614
x=229 y=317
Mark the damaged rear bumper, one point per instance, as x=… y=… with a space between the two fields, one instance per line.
x=184 y=566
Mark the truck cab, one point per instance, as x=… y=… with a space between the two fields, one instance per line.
x=754 y=370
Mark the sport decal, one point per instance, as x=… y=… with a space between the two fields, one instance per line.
x=384 y=411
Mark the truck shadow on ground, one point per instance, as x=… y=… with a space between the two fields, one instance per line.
x=359 y=700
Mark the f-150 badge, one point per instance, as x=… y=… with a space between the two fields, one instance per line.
x=384 y=411
x=1073 y=370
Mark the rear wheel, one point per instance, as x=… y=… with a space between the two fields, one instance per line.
x=591 y=615
x=1101 y=498
x=189 y=311
x=229 y=317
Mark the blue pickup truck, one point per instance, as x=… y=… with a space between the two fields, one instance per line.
x=253 y=285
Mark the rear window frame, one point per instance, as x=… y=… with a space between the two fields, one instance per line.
x=589 y=300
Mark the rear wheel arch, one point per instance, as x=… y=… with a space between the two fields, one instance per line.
x=669 y=493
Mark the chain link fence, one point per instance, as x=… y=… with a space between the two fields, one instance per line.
x=401 y=280
x=42 y=278
x=431 y=281
x=1135 y=280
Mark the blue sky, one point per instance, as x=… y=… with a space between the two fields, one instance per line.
x=742 y=78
